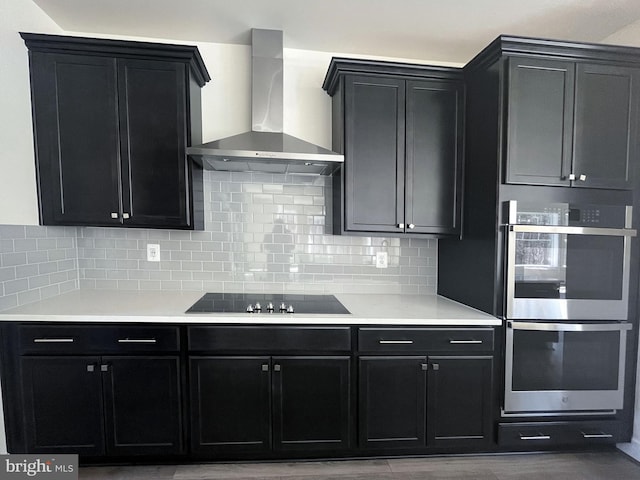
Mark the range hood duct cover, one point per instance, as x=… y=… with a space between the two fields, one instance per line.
x=266 y=148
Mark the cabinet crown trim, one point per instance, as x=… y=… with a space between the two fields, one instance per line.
x=38 y=42
x=344 y=66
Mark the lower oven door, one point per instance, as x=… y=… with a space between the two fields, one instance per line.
x=559 y=368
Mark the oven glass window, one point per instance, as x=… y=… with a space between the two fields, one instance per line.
x=553 y=265
x=561 y=360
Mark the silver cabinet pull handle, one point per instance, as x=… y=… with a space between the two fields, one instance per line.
x=436 y=366
x=276 y=368
x=395 y=342
x=572 y=176
x=583 y=178
x=104 y=368
x=597 y=435
x=114 y=215
x=424 y=366
x=137 y=340
x=411 y=226
x=465 y=342
x=401 y=225
x=91 y=368
x=53 y=340
x=265 y=367
x=535 y=437
x=125 y=216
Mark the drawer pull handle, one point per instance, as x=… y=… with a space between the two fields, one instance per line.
x=535 y=437
x=104 y=367
x=53 y=340
x=396 y=342
x=597 y=435
x=91 y=368
x=465 y=342
x=137 y=340
x=276 y=368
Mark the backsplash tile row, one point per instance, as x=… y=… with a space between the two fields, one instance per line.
x=263 y=232
x=36 y=263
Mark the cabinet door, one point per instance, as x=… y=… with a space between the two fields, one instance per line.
x=142 y=405
x=311 y=403
x=459 y=401
x=434 y=133
x=230 y=405
x=374 y=154
x=605 y=126
x=153 y=130
x=75 y=117
x=392 y=403
x=539 y=121
x=63 y=405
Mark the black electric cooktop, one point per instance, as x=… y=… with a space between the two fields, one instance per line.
x=267 y=303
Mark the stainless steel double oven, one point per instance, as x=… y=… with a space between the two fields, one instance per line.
x=567 y=295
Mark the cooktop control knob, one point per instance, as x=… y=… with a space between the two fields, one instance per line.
x=269 y=307
x=290 y=309
x=257 y=307
x=250 y=309
x=283 y=307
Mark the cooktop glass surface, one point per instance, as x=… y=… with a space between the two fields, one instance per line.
x=238 y=303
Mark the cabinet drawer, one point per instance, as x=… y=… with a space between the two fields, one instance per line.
x=251 y=339
x=542 y=435
x=425 y=339
x=48 y=339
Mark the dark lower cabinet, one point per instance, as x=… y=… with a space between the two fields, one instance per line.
x=63 y=405
x=311 y=403
x=392 y=402
x=418 y=401
x=102 y=405
x=243 y=405
x=142 y=405
x=460 y=401
x=230 y=405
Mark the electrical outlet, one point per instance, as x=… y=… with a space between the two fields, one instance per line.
x=382 y=260
x=153 y=252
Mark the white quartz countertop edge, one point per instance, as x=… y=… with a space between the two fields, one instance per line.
x=250 y=320
x=110 y=306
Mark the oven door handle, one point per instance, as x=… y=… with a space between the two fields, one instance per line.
x=569 y=327
x=609 y=232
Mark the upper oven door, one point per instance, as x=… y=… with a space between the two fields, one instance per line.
x=567 y=272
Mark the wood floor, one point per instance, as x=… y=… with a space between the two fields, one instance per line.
x=609 y=465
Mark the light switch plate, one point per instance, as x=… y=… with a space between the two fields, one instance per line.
x=153 y=252
x=382 y=260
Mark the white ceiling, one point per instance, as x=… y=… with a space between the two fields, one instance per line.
x=436 y=30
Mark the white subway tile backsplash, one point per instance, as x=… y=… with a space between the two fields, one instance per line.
x=263 y=232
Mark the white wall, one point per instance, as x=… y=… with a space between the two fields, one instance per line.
x=18 y=201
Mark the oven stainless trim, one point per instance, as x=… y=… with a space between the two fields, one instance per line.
x=559 y=402
x=563 y=308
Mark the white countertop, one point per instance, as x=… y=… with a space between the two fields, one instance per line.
x=170 y=307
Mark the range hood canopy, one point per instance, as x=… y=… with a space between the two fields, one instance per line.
x=266 y=148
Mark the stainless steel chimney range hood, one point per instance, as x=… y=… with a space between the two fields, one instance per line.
x=266 y=148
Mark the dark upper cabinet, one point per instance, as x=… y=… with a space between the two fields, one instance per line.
x=374 y=148
x=111 y=122
x=570 y=124
x=400 y=128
